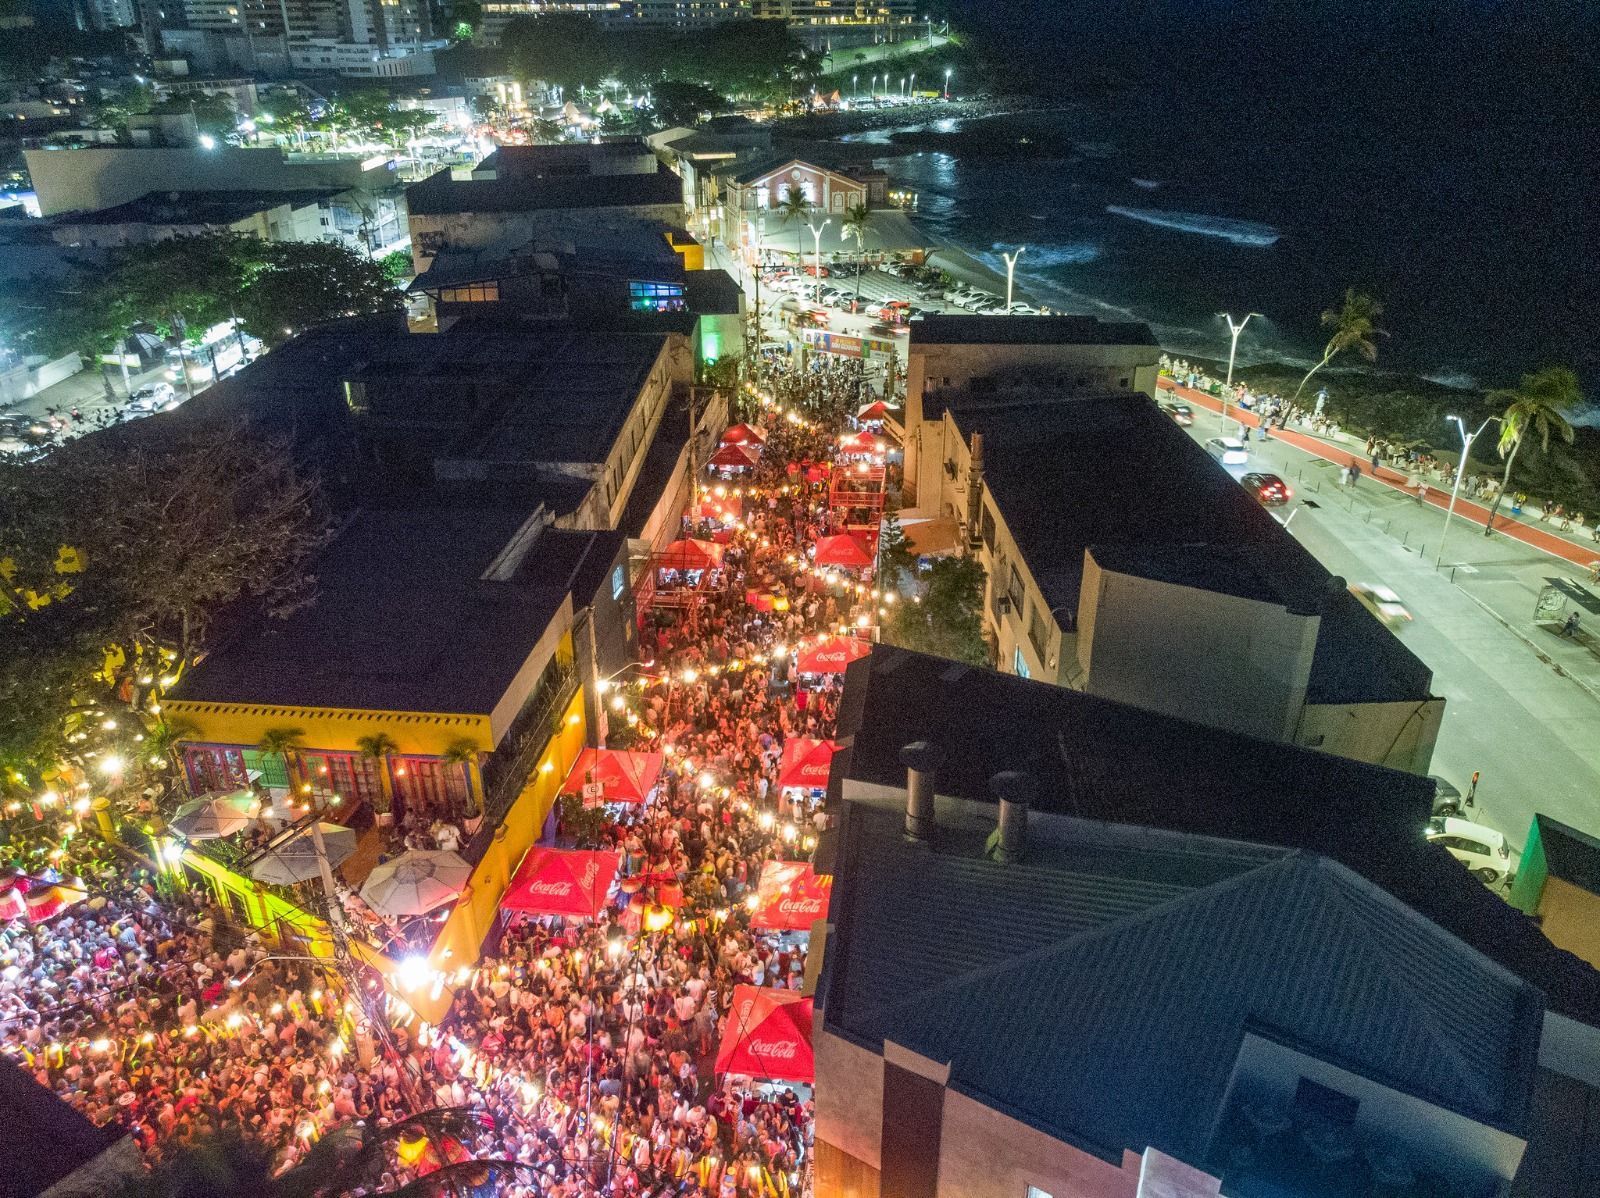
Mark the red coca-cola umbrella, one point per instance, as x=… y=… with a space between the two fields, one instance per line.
x=831 y=655
x=562 y=882
x=805 y=762
x=735 y=457
x=743 y=434
x=790 y=897
x=843 y=550
x=768 y=1035
x=621 y=776
x=690 y=554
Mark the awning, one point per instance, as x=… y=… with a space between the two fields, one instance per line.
x=790 y=897
x=767 y=1035
x=806 y=762
x=843 y=550
x=862 y=442
x=876 y=410
x=47 y=902
x=687 y=554
x=743 y=434
x=734 y=457
x=831 y=655
x=562 y=882
x=932 y=537
x=622 y=777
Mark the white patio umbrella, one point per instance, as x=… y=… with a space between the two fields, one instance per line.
x=415 y=882
x=296 y=859
x=213 y=816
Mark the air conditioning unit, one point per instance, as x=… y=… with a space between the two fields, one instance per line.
x=949 y=468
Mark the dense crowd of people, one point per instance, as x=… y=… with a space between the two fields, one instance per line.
x=592 y=1042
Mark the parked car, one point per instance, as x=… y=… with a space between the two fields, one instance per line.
x=1024 y=310
x=1447 y=798
x=1180 y=412
x=1269 y=489
x=153 y=397
x=1482 y=850
x=1228 y=450
x=1381 y=602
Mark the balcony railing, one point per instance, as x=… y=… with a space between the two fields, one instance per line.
x=513 y=762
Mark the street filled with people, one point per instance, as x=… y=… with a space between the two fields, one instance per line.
x=590 y=1042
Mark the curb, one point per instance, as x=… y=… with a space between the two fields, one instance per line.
x=1588 y=688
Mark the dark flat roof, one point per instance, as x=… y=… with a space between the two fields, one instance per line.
x=1100 y=760
x=1570 y=854
x=402 y=620
x=1114 y=472
x=1028 y=330
x=195 y=207
x=440 y=194
x=46 y=1140
x=711 y=292
x=1100 y=989
x=1202 y=567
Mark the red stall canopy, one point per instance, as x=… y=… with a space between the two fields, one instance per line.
x=562 y=882
x=623 y=777
x=805 y=762
x=735 y=457
x=768 y=1035
x=743 y=434
x=790 y=897
x=843 y=550
x=862 y=442
x=831 y=655
x=726 y=509
x=689 y=554
x=876 y=410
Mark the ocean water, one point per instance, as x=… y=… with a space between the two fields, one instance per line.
x=1133 y=212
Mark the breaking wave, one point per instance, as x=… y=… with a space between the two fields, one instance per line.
x=1042 y=257
x=1240 y=232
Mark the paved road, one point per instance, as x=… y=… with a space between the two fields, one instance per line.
x=1523 y=705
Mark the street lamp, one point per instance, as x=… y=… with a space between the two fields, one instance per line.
x=1233 y=348
x=1466 y=448
x=1011 y=271
x=855 y=86
x=912 y=90
x=816 y=237
x=947 y=83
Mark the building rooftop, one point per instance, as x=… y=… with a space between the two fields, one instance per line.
x=441 y=195
x=49 y=1140
x=712 y=292
x=403 y=619
x=1570 y=853
x=196 y=207
x=1114 y=472
x=1099 y=760
x=1027 y=330
x=1145 y=961
x=565 y=159
x=1203 y=567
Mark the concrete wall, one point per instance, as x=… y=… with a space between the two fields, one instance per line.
x=477 y=230
x=1570 y=917
x=1400 y=735
x=100 y=177
x=25 y=381
x=1216 y=659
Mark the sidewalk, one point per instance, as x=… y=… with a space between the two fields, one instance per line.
x=1469 y=511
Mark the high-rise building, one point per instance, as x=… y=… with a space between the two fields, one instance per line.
x=688 y=13
x=836 y=12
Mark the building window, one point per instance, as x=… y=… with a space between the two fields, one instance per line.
x=1039 y=632
x=655 y=297
x=619 y=582
x=987 y=526
x=1019 y=667
x=1014 y=591
x=477 y=293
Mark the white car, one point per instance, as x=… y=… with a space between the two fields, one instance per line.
x=1381 y=602
x=153 y=397
x=1482 y=850
x=1228 y=451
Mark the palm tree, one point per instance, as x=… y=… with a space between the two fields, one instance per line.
x=283 y=742
x=378 y=748
x=855 y=224
x=795 y=207
x=161 y=742
x=1538 y=403
x=1354 y=325
x=464 y=753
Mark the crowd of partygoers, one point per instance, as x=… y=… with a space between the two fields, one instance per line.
x=591 y=1042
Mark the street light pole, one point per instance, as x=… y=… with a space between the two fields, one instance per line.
x=1011 y=271
x=816 y=238
x=947 y=83
x=1233 y=349
x=1466 y=448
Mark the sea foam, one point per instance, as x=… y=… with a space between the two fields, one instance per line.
x=1240 y=232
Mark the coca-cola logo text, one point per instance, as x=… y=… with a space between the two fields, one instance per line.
x=553 y=889
x=801 y=906
x=783 y=1050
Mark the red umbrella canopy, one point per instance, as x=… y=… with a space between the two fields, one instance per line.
x=768 y=1035
x=623 y=777
x=831 y=655
x=806 y=762
x=843 y=550
x=735 y=457
x=790 y=897
x=687 y=554
x=562 y=882
x=743 y=434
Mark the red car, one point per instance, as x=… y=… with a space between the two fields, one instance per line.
x=1269 y=489
x=815 y=271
